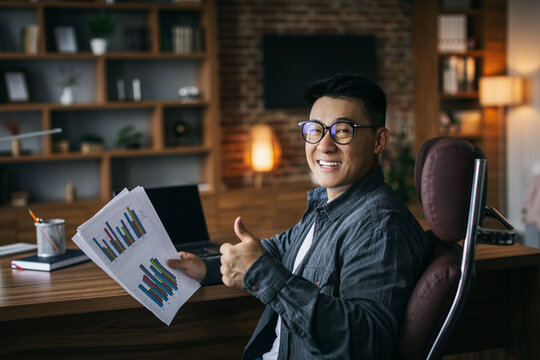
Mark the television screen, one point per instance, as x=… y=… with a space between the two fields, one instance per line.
x=291 y=62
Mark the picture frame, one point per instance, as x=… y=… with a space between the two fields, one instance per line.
x=15 y=86
x=66 y=40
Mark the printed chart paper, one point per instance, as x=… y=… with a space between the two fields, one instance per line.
x=128 y=241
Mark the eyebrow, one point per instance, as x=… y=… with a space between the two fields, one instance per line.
x=337 y=119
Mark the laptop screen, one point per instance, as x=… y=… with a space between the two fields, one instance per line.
x=181 y=212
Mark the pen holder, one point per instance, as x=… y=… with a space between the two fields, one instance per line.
x=51 y=237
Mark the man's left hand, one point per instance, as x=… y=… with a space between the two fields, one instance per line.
x=236 y=259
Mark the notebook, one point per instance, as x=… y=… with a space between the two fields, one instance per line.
x=35 y=262
x=181 y=212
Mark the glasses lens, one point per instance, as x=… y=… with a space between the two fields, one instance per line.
x=312 y=132
x=342 y=132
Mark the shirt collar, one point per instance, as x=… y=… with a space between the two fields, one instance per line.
x=343 y=202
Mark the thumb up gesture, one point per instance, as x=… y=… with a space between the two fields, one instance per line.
x=236 y=259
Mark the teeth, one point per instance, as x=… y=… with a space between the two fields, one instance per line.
x=329 y=163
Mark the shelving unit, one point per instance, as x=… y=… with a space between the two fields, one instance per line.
x=486 y=26
x=162 y=159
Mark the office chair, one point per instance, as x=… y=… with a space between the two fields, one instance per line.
x=450 y=180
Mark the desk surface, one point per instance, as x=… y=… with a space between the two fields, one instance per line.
x=85 y=288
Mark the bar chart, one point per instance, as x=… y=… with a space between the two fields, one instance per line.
x=157 y=282
x=124 y=233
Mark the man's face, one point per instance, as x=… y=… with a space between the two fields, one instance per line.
x=336 y=167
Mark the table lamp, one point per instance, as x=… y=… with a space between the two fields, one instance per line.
x=500 y=91
x=264 y=151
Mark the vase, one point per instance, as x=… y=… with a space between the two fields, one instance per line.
x=99 y=46
x=67 y=96
x=15 y=147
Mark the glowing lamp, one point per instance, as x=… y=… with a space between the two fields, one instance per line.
x=501 y=90
x=264 y=150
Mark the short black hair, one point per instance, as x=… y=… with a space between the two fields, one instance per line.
x=350 y=85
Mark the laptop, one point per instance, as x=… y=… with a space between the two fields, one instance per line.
x=181 y=212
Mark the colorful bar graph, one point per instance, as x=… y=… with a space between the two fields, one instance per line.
x=157 y=283
x=119 y=237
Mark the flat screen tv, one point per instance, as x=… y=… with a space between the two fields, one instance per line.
x=291 y=62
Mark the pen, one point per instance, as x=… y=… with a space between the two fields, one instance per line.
x=39 y=220
x=36 y=219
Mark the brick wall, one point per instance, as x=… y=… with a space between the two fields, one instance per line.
x=241 y=24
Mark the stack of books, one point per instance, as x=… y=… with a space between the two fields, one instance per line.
x=452 y=33
x=459 y=75
x=187 y=39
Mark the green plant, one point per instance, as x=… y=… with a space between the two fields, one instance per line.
x=91 y=138
x=129 y=138
x=400 y=169
x=68 y=77
x=69 y=81
x=101 y=25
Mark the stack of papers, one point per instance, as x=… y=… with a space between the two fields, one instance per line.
x=128 y=241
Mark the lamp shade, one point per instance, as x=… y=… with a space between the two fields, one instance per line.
x=501 y=90
x=263 y=150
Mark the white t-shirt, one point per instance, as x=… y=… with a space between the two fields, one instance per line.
x=273 y=353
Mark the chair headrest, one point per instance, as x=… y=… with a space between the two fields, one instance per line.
x=443 y=177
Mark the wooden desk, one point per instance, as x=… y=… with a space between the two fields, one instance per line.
x=504 y=310
x=80 y=313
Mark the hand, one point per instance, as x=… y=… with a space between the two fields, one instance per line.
x=192 y=265
x=236 y=259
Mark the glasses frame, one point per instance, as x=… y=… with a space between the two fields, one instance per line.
x=327 y=129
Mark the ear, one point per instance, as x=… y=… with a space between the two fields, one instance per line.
x=381 y=139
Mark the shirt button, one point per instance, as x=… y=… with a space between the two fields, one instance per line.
x=317 y=283
x=255 y=288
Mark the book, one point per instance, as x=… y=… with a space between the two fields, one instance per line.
x=50 y=263
x=30 y=38
x=187 y=39
x=452 y=32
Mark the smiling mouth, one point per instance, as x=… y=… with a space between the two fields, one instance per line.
x=329 y=164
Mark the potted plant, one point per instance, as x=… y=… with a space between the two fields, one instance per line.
x=91 y=143
x=100 y=26
x=128 y=138
x=400 y=172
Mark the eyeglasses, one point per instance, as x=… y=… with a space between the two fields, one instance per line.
x=341 y=131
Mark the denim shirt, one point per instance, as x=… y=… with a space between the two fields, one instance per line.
x=347 y=299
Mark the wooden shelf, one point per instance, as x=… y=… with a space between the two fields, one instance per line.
x=112 y=56
x=473 y=53
x=104 y=106
x=460 y=95
x=486 y=25
x=98 y=111
x=120 y=153
x=468 y=12
x=188 y=5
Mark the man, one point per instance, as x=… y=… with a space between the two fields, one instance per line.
x=336 y=283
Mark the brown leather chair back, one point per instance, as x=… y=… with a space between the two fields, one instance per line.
x=443 y=179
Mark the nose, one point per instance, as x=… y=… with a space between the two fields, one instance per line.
x=326 y=145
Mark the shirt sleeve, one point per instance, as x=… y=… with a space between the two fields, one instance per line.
x=361 y=319
x=213 y=274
